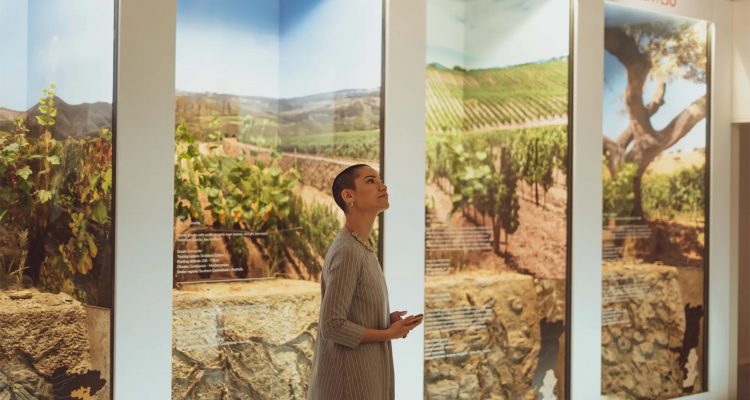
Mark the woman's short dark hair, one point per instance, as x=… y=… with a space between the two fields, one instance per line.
x=344 y=180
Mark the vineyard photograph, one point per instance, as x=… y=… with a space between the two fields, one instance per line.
x=56 y=201
x=256 y=150
x=258 y=163
x=270 y=174
x=655 y=201
x=497 y=198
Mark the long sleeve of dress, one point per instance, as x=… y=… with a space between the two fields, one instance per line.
x=354 y=296
x=342 y=277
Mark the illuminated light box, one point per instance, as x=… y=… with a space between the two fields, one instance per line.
x=274 y=98
x=497 y=201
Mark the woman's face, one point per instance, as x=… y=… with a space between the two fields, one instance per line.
x=370 y=192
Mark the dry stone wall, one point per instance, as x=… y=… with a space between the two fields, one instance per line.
x=249 y=340
x=255 y=340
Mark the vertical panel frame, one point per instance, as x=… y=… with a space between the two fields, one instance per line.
x=405 y=158
x=143 y=234
x=585 y=303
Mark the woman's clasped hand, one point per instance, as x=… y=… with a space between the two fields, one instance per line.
x=400 y=327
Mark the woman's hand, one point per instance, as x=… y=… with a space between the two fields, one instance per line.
x=396 y=316
x=401 y=327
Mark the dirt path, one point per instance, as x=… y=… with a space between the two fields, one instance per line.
x=537 y=247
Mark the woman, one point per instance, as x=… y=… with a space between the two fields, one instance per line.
x=353 y=358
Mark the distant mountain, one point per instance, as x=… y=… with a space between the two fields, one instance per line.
x=191 y=104
x=77 y=120
x=343 y=110
x=337 y=96
x=8 y=115
x=437 y=65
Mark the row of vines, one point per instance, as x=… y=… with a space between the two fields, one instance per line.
x=665 y=196
x=355 y=145
x=484 y=172
x=221 y=193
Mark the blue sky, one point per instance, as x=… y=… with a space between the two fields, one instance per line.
x=496 y=33
x=329 y=45
x=278 y=48
x=445 y=32
x=69 y=43
x=231 y=48
x=680 y=92
x=13 y=68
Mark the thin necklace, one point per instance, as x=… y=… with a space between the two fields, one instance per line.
x=368 y=245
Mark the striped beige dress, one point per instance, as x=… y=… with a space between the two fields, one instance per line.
x=355 y=297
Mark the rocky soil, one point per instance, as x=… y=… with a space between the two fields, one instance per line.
x=493 y=351
x=644 y=326
x=45 y=336
x=247 y=340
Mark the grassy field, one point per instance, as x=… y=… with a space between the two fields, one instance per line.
x=548 y=79
x=360 y=145
x=355 y=145
x=669 y=163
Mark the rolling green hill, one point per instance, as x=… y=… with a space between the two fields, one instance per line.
x=340 y=111
x=490 y=98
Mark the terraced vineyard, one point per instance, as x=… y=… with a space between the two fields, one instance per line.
x=496 y=98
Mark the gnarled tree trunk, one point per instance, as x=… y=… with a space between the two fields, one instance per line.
x=647 y=142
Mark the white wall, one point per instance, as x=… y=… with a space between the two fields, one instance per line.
x=145 y=116
x=144 y=195
x=405 y=158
